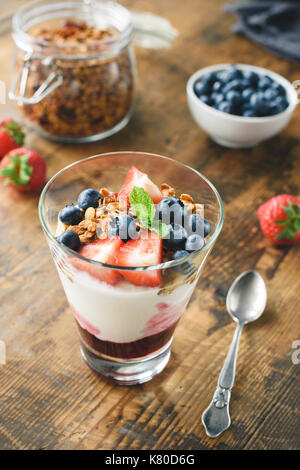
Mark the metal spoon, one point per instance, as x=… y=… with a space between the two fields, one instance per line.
x=245 y=302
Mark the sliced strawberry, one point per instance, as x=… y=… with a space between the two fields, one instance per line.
x=103 y=251
x=141 y=252
x=137 y=178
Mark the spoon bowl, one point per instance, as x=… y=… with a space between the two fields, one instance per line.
x=247 y=297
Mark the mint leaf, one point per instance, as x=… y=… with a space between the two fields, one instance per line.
x=160 y=228
x=142 y=205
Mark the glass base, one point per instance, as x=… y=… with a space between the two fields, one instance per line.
x=130 y=372
x=81 y=140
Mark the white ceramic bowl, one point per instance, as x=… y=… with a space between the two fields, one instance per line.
x=238 y=131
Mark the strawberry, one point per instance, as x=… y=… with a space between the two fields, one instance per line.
x=145 y=251
x=103 y=251
x=23 y=169
x=11 y=135
x=280 y=219
x=137 y=178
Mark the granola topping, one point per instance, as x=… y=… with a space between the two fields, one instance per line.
x=96 y=221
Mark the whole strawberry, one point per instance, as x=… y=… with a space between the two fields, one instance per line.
x=23 y=169
x=11 y=135
x=280 y=219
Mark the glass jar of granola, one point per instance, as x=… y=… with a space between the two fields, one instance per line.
x=74 y=68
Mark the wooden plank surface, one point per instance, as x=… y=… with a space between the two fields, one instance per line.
x=49 y=399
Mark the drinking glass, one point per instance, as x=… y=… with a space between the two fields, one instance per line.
x=126 y=331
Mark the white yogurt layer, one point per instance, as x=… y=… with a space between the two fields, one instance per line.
x=124 y=312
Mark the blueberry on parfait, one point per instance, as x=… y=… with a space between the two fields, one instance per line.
x=197 y=224
x=176 y=238
x=89 y=198
x=70 y=239
x=123 y=226
x=170 y=210
x=71 y=215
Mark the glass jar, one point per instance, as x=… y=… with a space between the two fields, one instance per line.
x=73 y=91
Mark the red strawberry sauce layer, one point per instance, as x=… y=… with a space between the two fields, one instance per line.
x=140 y=348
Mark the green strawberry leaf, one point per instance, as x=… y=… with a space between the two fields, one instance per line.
x=281 y=222
x=291 y=224
x=18 y=171
x=15 y=131
x=286 y=234
x=297 y=224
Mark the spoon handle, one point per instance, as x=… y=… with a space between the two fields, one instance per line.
x=216 y=417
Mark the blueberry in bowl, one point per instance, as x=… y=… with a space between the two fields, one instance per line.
x=240 y=105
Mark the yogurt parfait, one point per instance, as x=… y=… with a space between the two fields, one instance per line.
x=129 y=257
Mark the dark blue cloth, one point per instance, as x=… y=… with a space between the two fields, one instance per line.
x=273 y=25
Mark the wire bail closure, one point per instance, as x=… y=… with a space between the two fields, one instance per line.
x=53 y=81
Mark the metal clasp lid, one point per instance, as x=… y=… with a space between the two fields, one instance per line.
x=53 y=81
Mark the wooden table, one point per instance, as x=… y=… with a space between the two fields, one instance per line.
x=49 y=399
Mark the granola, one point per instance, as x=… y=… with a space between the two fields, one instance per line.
x=96 y=221
x=96 y=93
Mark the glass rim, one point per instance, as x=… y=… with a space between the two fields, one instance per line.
x=166 y=264
x=28 y=39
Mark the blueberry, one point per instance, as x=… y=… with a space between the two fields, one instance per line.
x=251 y=76
x=205 y=99
x=278 y=105
x=88 y=198
x=70 y=239
x=71 y=215
x=176 y=238
x=248 y=113
x=234 y=97
x=179 y=254
x=225 y=107
x=270 y=94
x=170 y=210
x=246 y=93
x=197 y=224
x=222 y=77
x=264 y=82
x=217 y=98
x=232 y=85
x=278 y=87
x=124 y=226
x=194 y=242
x=201 y=88
x=245 y=83
x=233 y=73
x=260 y=105
x=210 y=78
x=185 y=267
x=237 y=111
x=217 y=86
